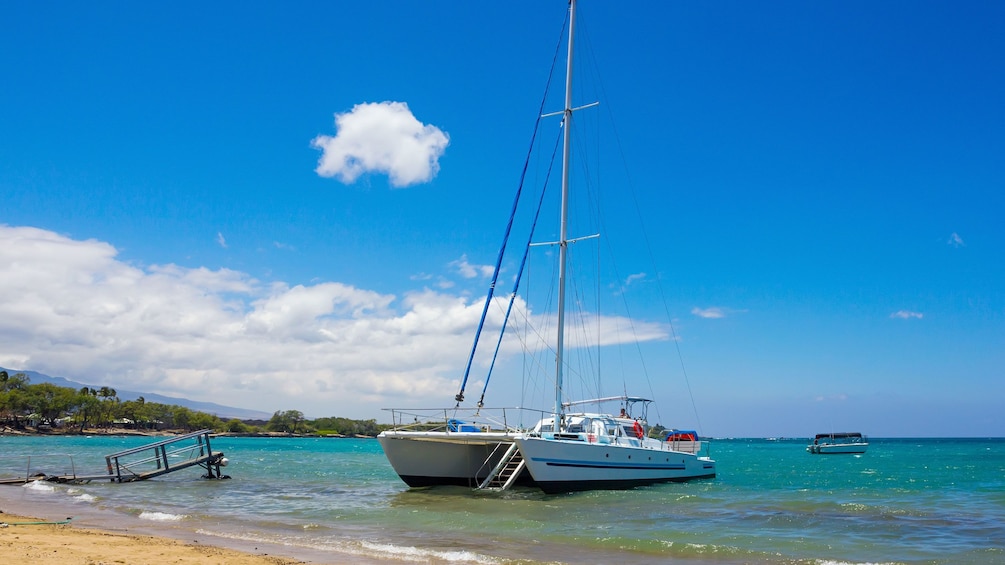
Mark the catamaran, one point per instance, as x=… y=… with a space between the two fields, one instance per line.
x=574 y=446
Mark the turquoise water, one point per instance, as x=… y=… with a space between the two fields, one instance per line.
x=337 y=500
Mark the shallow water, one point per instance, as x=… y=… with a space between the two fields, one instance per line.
x=905 y=501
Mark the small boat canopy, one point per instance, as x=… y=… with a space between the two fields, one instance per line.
x=841 y=435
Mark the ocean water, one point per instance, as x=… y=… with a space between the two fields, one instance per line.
x=338 y=501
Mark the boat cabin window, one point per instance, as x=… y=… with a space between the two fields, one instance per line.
x=576 y=425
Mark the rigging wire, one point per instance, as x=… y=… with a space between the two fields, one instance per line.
x=648 y=245
x=459 y=397
x=519 y=272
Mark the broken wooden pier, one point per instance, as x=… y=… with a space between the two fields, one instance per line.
x=144 y=462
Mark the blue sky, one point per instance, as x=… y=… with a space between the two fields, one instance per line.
x=824 y=185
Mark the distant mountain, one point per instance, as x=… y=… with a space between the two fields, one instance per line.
x=225 y=412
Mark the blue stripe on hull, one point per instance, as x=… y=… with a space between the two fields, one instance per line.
x=558 y=487
x=554 y=487
x=580 y=465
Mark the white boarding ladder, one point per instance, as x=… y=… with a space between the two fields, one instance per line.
x=505 y=473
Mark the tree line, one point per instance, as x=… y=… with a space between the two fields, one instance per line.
x=48 y=406
x=293 y=422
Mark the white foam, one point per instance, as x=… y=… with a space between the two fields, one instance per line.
x=417 y=554
x=831 y=562
x=369 y=549
x=161 y=516
x=39 y=486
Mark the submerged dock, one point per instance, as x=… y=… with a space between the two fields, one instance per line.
x=142 y=463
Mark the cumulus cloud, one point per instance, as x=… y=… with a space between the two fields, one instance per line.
x=382 y=137
x=73 y=308
x=906 y=315
x=955 y=240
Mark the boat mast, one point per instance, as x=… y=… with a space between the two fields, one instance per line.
x=563 y=242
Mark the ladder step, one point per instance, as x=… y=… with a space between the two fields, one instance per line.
x=505 y=472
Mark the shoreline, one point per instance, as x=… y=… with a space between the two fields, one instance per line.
x=26 y=540
x=49 y=535
x=55 y=530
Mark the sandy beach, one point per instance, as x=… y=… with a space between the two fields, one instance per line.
x=26 y=540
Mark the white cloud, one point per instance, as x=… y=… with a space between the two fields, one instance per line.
x=381 y=137
x=955 y=240
x=469 y=271
x=712 y=312
x=72 y=308
x=220 y=240
x=906 y=315
x=633 y=278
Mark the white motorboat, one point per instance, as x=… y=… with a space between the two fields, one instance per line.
x=842 y=442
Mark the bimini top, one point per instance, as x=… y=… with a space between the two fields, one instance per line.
x=623 y=398
x=839 y=435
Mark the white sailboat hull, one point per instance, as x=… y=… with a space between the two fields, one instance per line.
x=424 y=459
x=566 y=466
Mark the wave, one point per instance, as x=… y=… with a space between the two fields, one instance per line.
x=39 y=486
x=418 y=554
x=828 y=562
x=364 y=549
x=161 y=516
